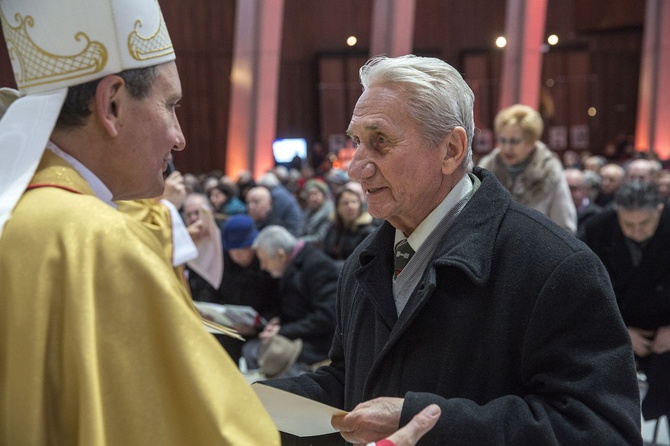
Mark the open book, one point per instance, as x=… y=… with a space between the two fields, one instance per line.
x=229 y=315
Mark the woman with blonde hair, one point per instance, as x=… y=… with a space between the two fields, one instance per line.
x=527 y=168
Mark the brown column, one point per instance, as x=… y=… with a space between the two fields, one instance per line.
x=254 y=83
x=653 y=112
x=522 y=61
x=392 y=27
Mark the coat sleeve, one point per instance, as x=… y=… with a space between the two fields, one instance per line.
x=577 y=370
x=325 y=385
x=562 y=209
x=319 y=282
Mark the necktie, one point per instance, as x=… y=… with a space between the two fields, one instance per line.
x=403 y=252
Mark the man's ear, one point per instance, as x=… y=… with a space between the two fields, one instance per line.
x=456 y=147
x=282 y=255
x=108 y=100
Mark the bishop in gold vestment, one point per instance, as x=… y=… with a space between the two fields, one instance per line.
x=100 y=341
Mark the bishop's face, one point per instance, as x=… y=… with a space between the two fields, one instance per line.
x=148 y=133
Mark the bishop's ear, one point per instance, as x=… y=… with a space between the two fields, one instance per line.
x=109 y=96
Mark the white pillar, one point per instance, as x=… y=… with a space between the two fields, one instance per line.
x=653 y=111
x=392 y=27
x=522 y=60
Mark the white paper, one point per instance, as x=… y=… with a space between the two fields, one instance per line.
x=294 y=414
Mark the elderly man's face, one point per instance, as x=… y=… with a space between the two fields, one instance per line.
x=611 y=179
x=259 y=204
x=399 y=172
x=276 y=265
x=640 y=170
x=577 y=186
x=193 y=209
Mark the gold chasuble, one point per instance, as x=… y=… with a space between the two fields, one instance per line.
x=98 y=342
x=155 y=217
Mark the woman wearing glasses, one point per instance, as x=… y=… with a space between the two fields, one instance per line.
x=529 y=170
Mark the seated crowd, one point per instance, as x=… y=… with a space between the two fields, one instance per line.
x=284 y=239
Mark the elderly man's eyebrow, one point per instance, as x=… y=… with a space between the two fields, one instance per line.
x=368 y=127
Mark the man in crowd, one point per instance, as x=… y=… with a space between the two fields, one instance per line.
x=640 y=169
x=285 y=207
x=579 y=190
x=476 y=309
x=259 y=205
x=612 y=176
x=307 y=286
x=633 y=240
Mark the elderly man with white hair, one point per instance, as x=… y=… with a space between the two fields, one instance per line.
x=307 y=286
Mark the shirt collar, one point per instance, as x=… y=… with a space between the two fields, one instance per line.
x=426 y=227
x=98 y=187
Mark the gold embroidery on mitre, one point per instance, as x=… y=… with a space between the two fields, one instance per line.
x=156 y=45
x=33 y=66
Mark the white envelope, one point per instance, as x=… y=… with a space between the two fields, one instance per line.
x=295 y=414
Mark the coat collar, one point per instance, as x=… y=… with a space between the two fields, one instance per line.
x=468 y=246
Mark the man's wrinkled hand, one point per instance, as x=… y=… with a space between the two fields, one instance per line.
x=370 y=421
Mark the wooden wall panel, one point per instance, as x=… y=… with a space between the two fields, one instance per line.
x=339 y=89
x=312 y=30
x=332 y=95
x=615 y=59
x=202 y=33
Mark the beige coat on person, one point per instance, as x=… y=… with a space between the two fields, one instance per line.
x=541 y=185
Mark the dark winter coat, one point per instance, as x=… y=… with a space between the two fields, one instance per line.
x=307 y=303
x=642 y=292
x=513 y=330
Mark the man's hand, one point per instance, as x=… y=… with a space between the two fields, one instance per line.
x=661 y=342
x=175 y=191
x=370 y=421
x=641 y=340
x=418 y=426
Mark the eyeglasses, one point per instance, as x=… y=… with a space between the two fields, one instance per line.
x=511 y=141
